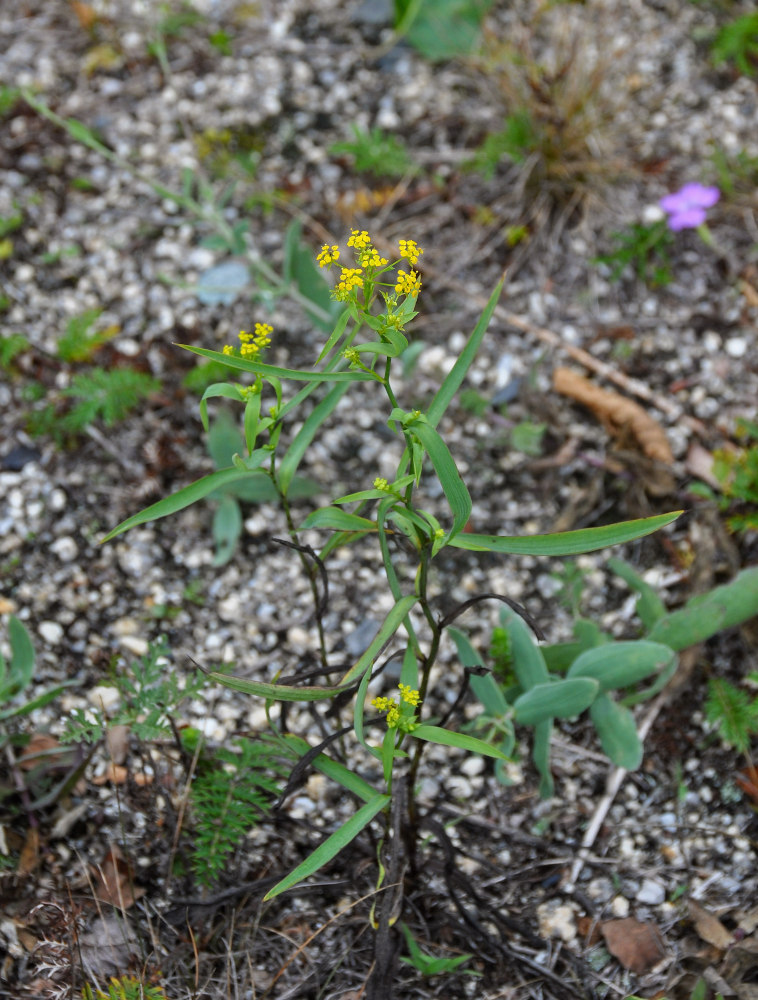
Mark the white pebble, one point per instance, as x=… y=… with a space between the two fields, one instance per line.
x=51 y=632
x=651 y=891
x=105 y=698
x=65 y=548
x=736 y=347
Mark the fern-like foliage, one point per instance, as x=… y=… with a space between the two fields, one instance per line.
x=233 y=789
x=733 y=711
x=106 y=394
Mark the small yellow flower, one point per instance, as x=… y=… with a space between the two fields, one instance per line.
x=381 y=484
x=352 y=356
x=359 y=240
x=328 y=255
x=410 y=250
x=370 y=258
x=393 y=717
x=408 y=284
x=228 y=349
x=409 y=695
x=350 y=278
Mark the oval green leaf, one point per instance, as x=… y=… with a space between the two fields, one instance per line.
x=555 y=700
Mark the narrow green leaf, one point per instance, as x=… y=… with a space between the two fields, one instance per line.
x=279 y=692
x=226 y=529
x=447 y=472
x=390 y=625
x=650 y=607
x=617 y=732
x=22 y=654
x=331 y=846
x=349 y=780
x=334 y=336
x=621 y=664
x=337 y=520
x=447 y=738
x=707 y=614
x=183 y=498
x=565 y=543
x=217 y=389
x=258 y=368
x=555 y=700
x=457 y=373
x=294 y=454
x=528 y=661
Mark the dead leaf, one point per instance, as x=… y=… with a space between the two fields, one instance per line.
x=638 y=947
x=617 y=413
x=699 y=464
x=117 y=743
x=114 y=881
x=109 y=946
x=85 y=14
x=29 y=857
x=709 y=927
x=114 y=773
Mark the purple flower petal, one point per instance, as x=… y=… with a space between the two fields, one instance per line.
x=690 y=218
x=698 y=194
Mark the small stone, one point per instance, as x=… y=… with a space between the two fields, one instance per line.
x=105 y=698
x=65 y=548
x=620 y=906
x=556 y=920
x=51 y=632
x=736 y=347
x=652 y=892
x=135 y=644
x=472 y=766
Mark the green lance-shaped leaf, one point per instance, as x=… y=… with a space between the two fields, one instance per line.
x=331 y=846
x=707 y=614
x=335 y=336
x=22 y=655
x=448 y=738
x=389 y=626
x=190 y=494
x=337 y=520
x=557 y=699
x=457 y=373
x=218 y=389
x=617 y=732
x=453 y=486
x=277 y=692
x=528 y=661
x=621 y=664
x=650 y=607
x=258 y=368
x=485 y=688
x=227 y=528
x=294 y=454
x=565 y=543
x=349 y=780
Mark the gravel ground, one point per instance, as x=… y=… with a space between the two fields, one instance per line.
x=497 y=873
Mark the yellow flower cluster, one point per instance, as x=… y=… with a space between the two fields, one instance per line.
x=370 y=258
x=408 y=694
x=381 y=483
x=359 y=240
x=408 y=284
x=350 y=278
x=328 y=255
x=392 y=708
x=410 y=250
x=251 y=344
